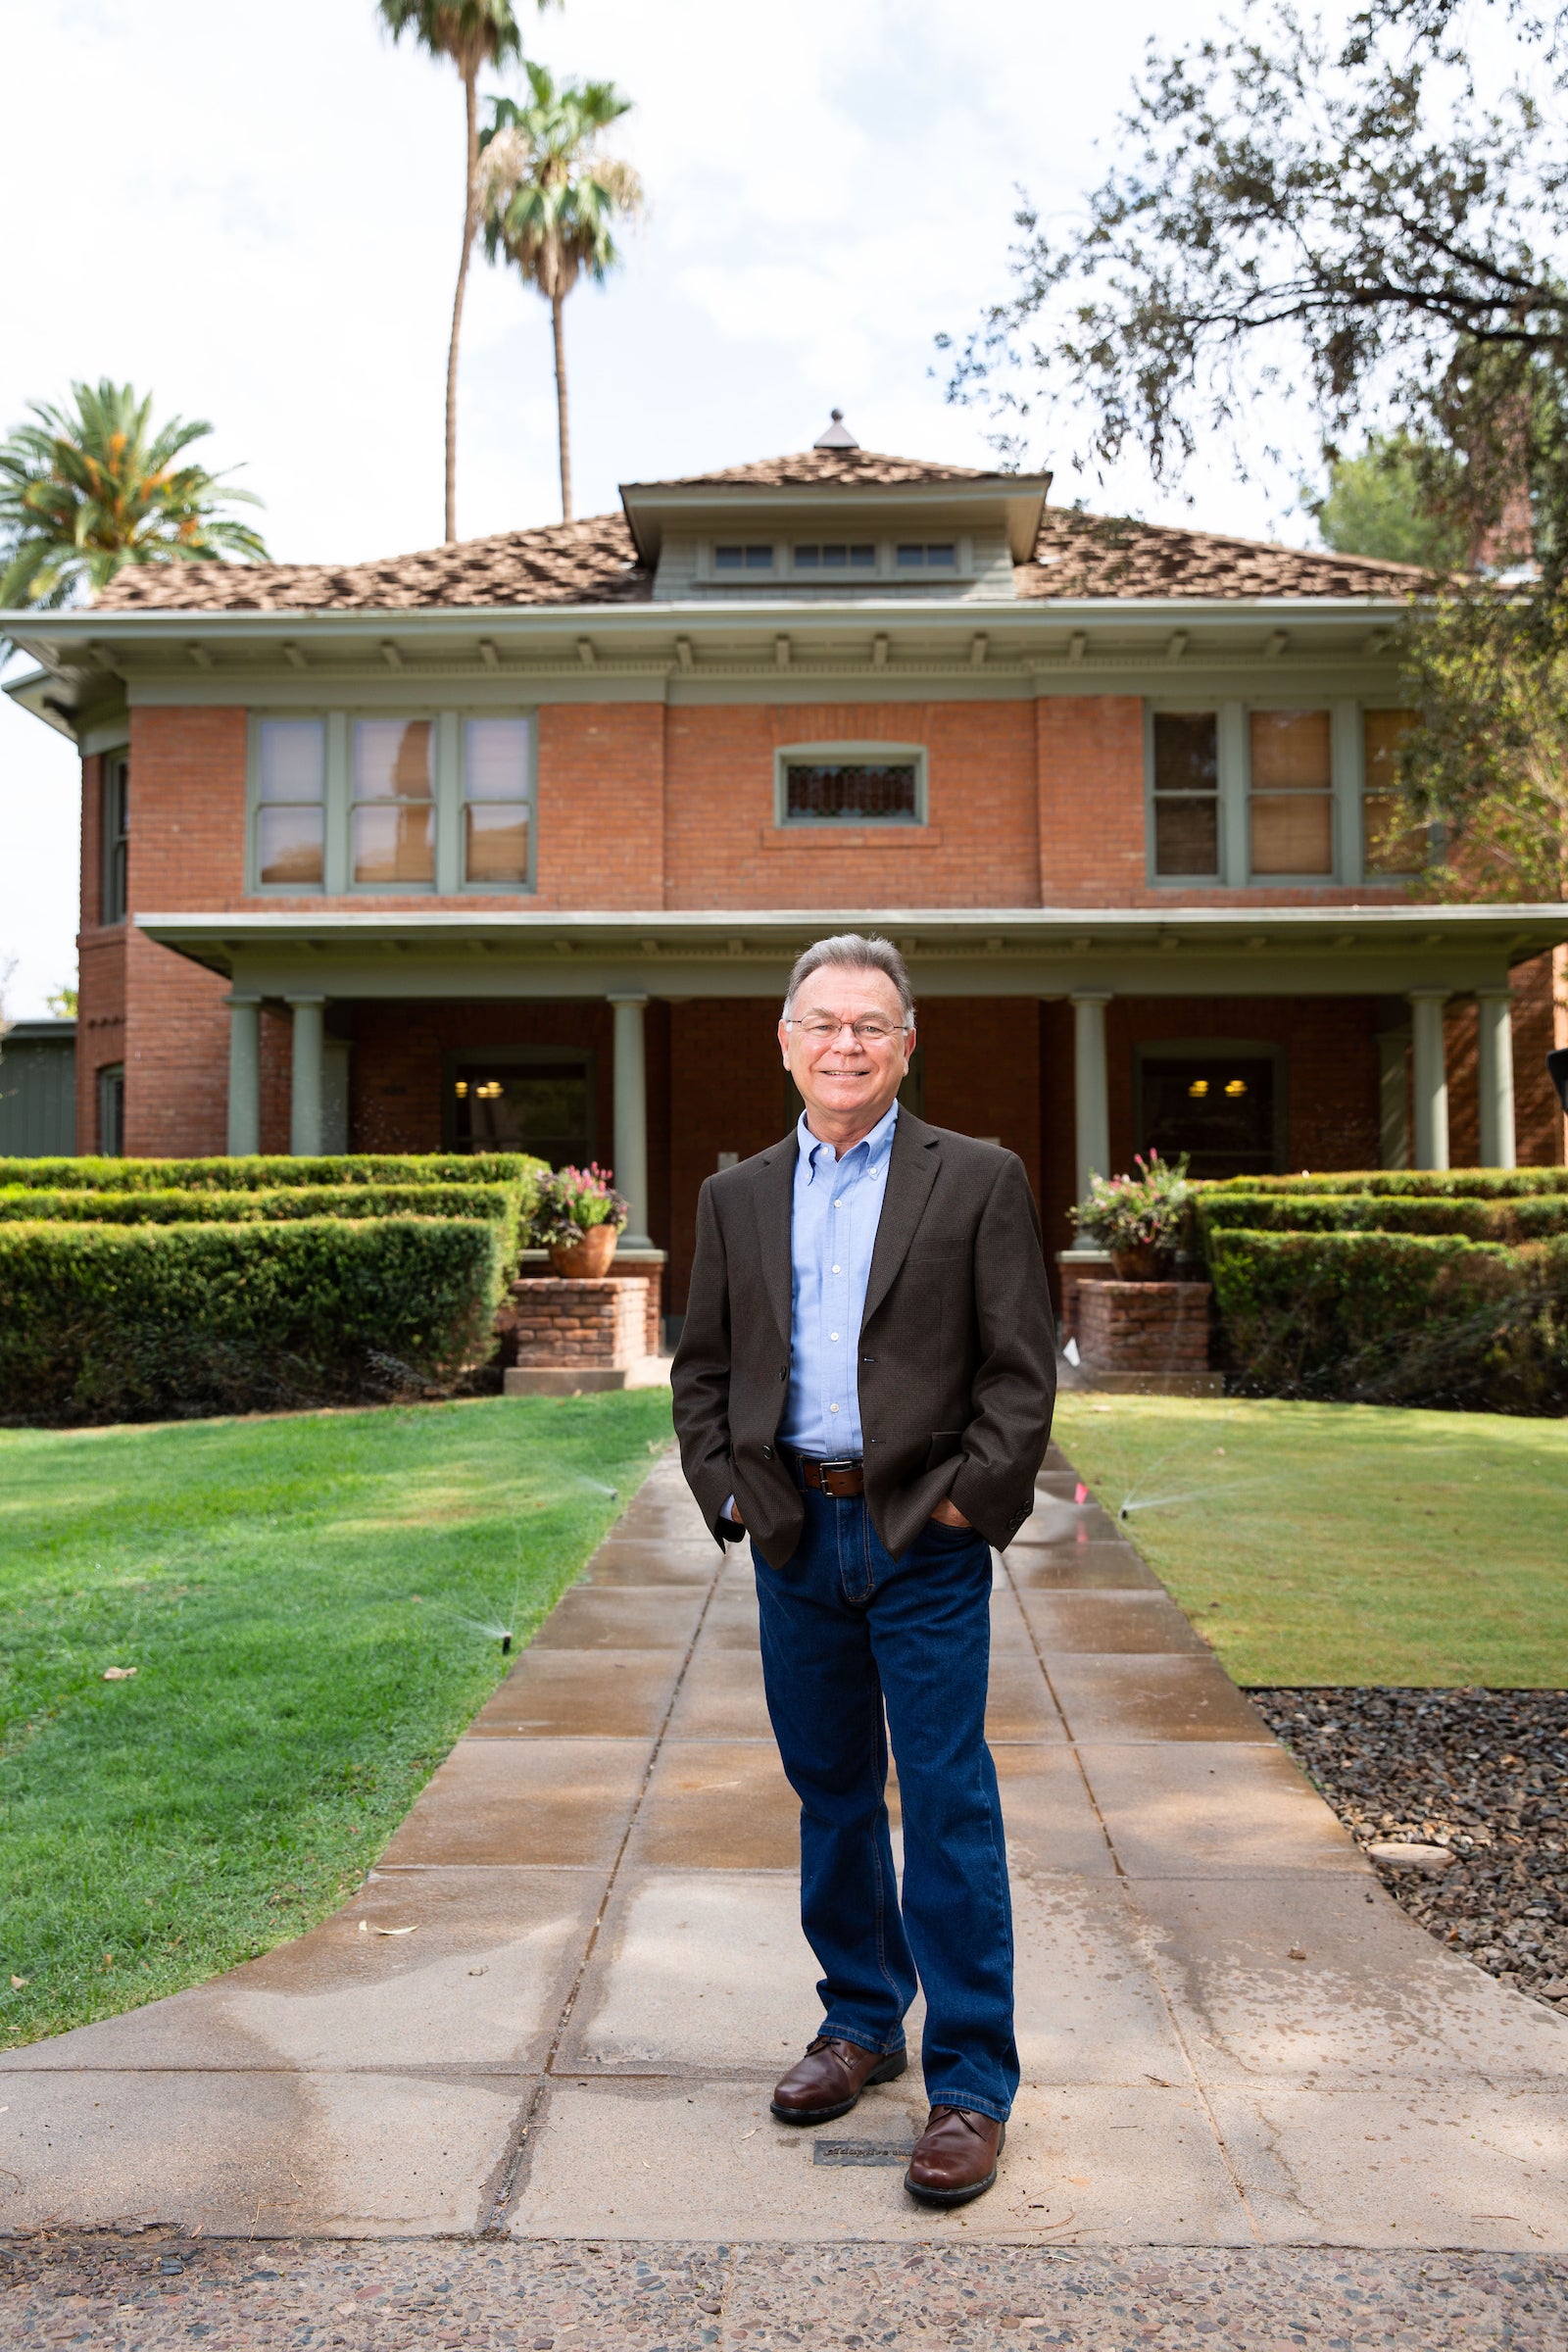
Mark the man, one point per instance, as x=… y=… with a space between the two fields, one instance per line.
x=864 y=1383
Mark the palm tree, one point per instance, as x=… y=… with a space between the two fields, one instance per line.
x=472 y=33
x=84 y=493
x=551 y=200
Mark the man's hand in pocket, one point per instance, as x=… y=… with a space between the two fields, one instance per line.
x=948 y=1514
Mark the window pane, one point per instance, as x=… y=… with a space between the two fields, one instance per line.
x=291 y=759
x=808 y=559
x=544 y=1109
x=728 y=559
x=496 y=843
x=1186 y=752
x=1291 y=751
x=1219 y=1109
x=1187 y=837
x=495 y=765
x=288 y=846
x=758 y=559
x=394 y=845
x=1388 y=851
x=392 y=759
x=1293 y=833
x=945 y=554
x=851 y=792
x=863 y=554
x=910 y=559
x=836 y=556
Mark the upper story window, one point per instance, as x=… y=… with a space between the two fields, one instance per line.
x=495 y=800
x=394 y=802
x=291 y=803
x=116 y=810
x=1186 y=794
x=1292 y=796
x=734 y=558
x=927 y=555
x=851 y=790
x=442 y=802
x=1390 y=847
x=836 y=555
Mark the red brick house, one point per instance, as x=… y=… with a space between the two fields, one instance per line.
x=512 y=841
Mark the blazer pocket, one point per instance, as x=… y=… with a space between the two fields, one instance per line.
x=943 y=1447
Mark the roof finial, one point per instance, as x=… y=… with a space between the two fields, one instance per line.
x=837 y=436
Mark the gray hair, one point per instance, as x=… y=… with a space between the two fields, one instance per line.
x=852 y=951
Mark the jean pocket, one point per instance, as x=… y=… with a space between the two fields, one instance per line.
x=940 y=1537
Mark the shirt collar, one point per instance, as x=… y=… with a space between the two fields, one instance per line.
x=876 y=1146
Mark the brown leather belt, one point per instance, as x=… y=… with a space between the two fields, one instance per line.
x=837 y=1480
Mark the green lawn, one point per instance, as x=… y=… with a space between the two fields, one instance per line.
x=1342 y=1543
x=313 y=1606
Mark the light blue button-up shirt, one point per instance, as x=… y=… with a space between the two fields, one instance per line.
x=836 y=1209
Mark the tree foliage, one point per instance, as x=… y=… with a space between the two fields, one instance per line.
x=89 y=488
x=1353 y=216
x=1376 y=505
x=552 y=200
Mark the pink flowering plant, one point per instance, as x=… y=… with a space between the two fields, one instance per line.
x=572 y=1202
x=1146 y=1211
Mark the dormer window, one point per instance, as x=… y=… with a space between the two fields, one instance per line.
x=927 y=555
x=836 y=555
x=743 y=559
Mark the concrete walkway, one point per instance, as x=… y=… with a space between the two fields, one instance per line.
x=558 y=2006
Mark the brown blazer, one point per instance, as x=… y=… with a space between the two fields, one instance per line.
x=957 y=1369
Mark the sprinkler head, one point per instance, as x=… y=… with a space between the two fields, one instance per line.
x=506 y=1646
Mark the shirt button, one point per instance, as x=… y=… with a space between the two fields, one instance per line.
x=832 y=1408
x=836 y=1270
x=832 y=1334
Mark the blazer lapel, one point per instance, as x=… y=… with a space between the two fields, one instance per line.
x=773 y=1201
x=912 y=1167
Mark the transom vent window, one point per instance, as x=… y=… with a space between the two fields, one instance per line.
x=836 y=555
x=927 y=555
x=743 y=559
x=1186 y=794
x=851 y=792
x=1293 y=792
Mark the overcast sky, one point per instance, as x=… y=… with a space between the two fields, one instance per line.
x=254 y=211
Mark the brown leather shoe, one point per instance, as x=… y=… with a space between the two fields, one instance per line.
x=829 y=2079
x=955 y=2157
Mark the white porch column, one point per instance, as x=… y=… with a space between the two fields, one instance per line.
x=1090 y=1091
x=1430 y=1076
x=305 y=1096
x=631 y=1118
x=1494 y=1075
x=244 y=1075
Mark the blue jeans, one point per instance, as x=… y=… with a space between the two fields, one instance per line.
x=846 y=1631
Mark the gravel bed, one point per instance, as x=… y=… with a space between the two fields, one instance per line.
x=1483 y=1773
x=160 y=2291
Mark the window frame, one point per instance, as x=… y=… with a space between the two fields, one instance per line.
x=1156 y=707
x=1233 y=748
x=1192 y=1048
x=516 y=1057
x=448 y=800
x=114 y=864
x=856 y=754
x=1333 y=793
x=493 y=889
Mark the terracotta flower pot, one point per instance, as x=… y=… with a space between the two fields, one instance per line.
x=1139 y=1263
x=586 y=1259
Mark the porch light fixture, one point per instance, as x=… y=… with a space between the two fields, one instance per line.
x=1198 y=1088
x=461 y=1087
x=1236 y=1086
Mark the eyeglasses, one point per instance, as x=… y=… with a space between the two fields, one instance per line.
x=821 y=1026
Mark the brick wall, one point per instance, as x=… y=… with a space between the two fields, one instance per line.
x=724 y=849
x=601 y=804
x=1144 y=1326
x=1540 y=1022
x=552 y=1321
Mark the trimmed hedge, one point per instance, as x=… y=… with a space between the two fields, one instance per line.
x=153 y=1322
x=1519 y=1219
x=1394 y=1319
x=497 y=1204
x=1437 y=1184
x=262 y=1172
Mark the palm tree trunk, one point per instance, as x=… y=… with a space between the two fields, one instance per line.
x=471 y=222
x=557 y=306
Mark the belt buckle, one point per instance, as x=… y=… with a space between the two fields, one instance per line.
x=829 y=1471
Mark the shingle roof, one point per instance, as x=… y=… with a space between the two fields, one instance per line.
x=594 y=562
x=861 y=469
x=586 y=563
x=1098 y=555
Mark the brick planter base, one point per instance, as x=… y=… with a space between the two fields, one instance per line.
x=562 y=1336
x=1147 y=1336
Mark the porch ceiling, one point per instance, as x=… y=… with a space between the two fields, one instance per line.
x=1026 y=952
